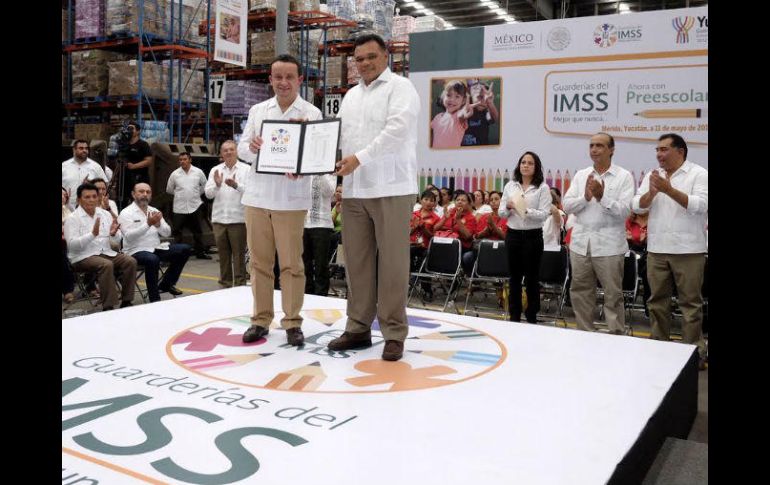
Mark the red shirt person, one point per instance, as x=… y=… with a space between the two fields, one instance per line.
x=459 y=222
x=423 y=221
x=491 y=225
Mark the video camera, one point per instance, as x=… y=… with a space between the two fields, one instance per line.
x=119 y=141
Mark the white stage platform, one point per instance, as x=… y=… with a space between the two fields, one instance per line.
x=167 y=393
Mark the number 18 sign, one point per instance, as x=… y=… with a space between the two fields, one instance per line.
x=332 y=105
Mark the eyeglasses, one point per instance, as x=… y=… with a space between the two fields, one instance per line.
x=370 y=57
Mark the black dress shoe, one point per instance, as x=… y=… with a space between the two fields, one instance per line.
x=171 y=289
x=295 y=336
x=254 y=333
x=125 y=304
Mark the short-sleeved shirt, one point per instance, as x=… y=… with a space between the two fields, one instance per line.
x=451 y=225
x=419 y=235
x=135 y=153
x=501 y=222
x=478 y=130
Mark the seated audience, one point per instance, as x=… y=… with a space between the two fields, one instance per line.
x=88 y=232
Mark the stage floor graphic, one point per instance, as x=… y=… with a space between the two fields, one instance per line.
x=168 y=393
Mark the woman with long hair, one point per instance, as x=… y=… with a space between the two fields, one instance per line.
x=527 y=200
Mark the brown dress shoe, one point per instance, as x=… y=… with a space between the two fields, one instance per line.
x=254 y=333
x=394 y=350
x=349 y=340
x=295 y=336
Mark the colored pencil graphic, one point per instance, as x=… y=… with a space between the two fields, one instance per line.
x=444 y=179
x=461 y=356
x=305 y=378
x=490 y=181
x=549 y=178
x=557 y=181
x=327 y=317
x=498 y=181
x=450 y=334
x=506 y=177
x=474 y=180
x=230 y=360
x=482 y=180
x=423 y=179
x=567 y=182
x=430 y=176
x=466 y=180
x=452 y=179
x=673 y=113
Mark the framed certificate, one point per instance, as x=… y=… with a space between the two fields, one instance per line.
x=299 y=147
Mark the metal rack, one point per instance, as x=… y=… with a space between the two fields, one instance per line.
x=149 y=47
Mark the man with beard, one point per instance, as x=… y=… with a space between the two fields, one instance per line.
x=142 y=227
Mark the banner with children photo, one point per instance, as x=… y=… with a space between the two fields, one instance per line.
x=465 y=112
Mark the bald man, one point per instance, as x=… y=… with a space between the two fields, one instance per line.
x=142 y=227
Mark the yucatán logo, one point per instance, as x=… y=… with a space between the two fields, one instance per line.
x=682 y=25
x=280 y=139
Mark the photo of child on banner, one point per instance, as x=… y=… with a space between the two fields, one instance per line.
x=465 y=112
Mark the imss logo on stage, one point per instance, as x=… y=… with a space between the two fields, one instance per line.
x=437 y=353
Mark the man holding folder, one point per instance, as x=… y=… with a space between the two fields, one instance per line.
x=275 y=209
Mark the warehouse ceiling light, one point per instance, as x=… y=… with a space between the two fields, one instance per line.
x=417 y=5
x=499 y=11
x=624 y=8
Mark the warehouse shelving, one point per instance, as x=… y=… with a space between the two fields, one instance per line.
x=147 y=47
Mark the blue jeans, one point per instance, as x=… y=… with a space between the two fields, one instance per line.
x=176 y=255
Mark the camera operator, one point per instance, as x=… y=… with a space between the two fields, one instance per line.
x=138 y=160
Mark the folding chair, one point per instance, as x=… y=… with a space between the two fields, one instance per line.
x=441 y=263
x=337 y=271
x=140 y=269
x=491 y=267
x=554 y=275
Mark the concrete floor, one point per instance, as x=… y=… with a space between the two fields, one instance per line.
x=200 y=276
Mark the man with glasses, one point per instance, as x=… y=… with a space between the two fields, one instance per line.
x=379 y=166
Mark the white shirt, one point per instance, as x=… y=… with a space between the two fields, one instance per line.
x=137 y=234
x=600 y=226
x=379 y=127
x=672 y=229
x=271 y=191
x=108 y=173
x=227 y=208
x=437 y=209
x=538 y=201
x=81 y=243
x=320 y=213
x=73 y=173
x=484 y=209
x=552 y=232
x=186 y=187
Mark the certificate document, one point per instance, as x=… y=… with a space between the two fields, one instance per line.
x=299 y=147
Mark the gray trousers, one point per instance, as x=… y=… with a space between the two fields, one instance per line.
x=376 y=241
